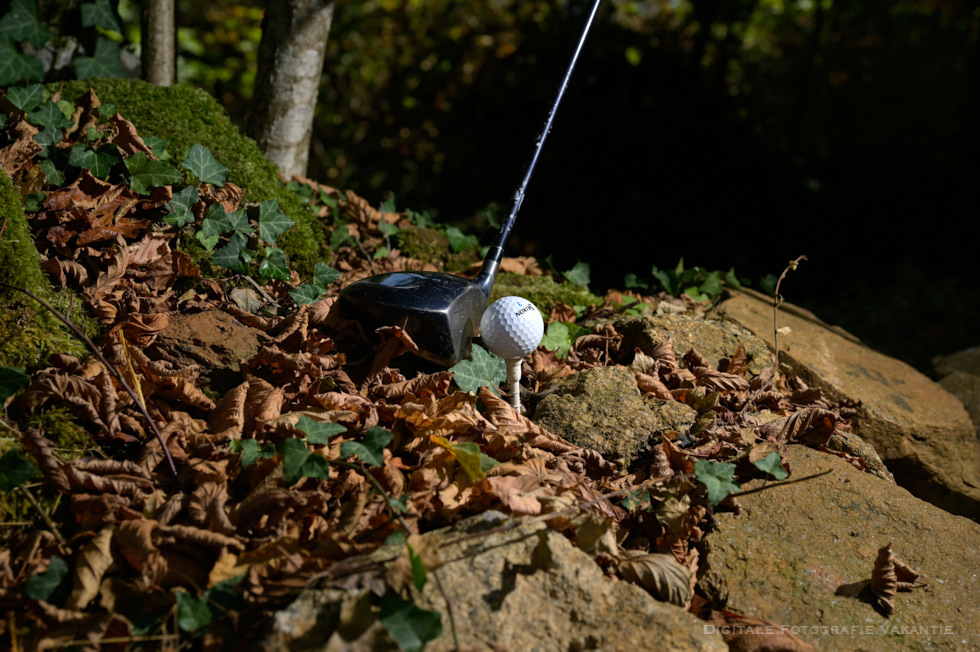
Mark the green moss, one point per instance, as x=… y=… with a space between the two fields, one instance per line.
x=28 y=333
x=542 y=291
x=423 y=244
x=61 y=427
x=185 y=116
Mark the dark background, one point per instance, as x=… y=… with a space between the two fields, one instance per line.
x=730 y=134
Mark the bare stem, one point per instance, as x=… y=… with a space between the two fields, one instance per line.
x=777 y=299
x=115 y=372
x=44 y=515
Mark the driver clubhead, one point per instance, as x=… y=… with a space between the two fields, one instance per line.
x=440 y=312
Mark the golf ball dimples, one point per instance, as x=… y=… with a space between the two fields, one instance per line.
x=512 y=327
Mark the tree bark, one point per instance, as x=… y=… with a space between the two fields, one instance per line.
x=294 y=41
x=159 y=38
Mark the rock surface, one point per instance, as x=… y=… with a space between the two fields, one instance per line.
x=602 y=409
x=921 y=431
x=801 y=554
x=525 y=589
x=959 y=374
x=714 y=339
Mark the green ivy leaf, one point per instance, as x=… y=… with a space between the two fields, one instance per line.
x=274 y=265
x=192 y=613
x=32 y=203
x=298 y=462
x=339 y=237
x=100 y=14
x=208 y=241
x=387 y=229
x=483 y=369
x=49 y=136
x=731 y=280
x=45 y=586
x=419 y=575
x=772 y=465
x=557 y=339
x=21 y=24
x=14 y=470
x=666 y=281
x=423 y=220
x=632 y=281
x=98 y=162
x=252 y=450
x=388 y=205
x=718 y=478
x=711 y=286
x=199 y=161
x=370 y=449
x=52 y=174
x=305 y=294
x=579 y=275
x=147 y=174
x=230 y=255
x=180 y=207
x=470 y=458
x=409 y=625
x=104 y=63
x=319 y=432
x=11 y=381
x=381 y=253
x=26 y=98
x=458 y=241
x=158 y=146
x=324 y=275
x=107 y=110
x=49 y=115
x=272 y=221
x=16 y=67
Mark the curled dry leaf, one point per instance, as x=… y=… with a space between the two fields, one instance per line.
x=889 y=576
x=811 y=426
x=40 y=447
x=658 y=573
x=747 y=634
x=91 y=563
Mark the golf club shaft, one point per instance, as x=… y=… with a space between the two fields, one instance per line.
x=496 y=251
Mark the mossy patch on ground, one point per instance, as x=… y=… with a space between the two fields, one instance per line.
x=542 y=291
x=185 y=116
x=28 y=333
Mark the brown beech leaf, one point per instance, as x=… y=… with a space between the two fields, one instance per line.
x=515 y=492
x=748 y=634
x=719 y=380
x=651 y=385
x=91 y=563
x=889 y=576
x=658 y=573
x=738 y=364
x=663 y=353
x=810 y=426
x=19 y=155
x=437 y=383
x=42 y=450
x=126 y=138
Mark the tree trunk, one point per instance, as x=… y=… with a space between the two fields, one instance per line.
x=159 y=38
x=294 y=40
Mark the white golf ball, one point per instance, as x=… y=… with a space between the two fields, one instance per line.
x=512 y=327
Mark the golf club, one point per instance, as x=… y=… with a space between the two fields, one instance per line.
x=441 y=312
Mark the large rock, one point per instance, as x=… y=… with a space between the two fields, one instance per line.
x=959 y=374
x=800 y=555
x=522 y=589
x=714 y=339
x=921 y=431
x=602 y=409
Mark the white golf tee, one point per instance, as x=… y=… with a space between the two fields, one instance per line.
x=514 y=382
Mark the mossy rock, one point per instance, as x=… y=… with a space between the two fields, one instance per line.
x=28 y=332
x=185 y=116
x=542 y=291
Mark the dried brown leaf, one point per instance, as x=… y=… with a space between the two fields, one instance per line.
x=889 y=576
x=658 y=573
x=811 y=426
x=40 y=447
x=91 y=564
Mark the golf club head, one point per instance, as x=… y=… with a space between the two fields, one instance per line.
x=440 y=312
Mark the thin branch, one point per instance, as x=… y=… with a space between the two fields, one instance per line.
x=261 y=290
x=777 y=300
x=115 y=372
x=449 y=609
x=780 y=484
x=44 y=515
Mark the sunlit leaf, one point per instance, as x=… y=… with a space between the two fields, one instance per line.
x=557 y=339
x=718 y=478
x=274 y=265
x=319 y=432
x=180 y=207
x=482 y=369
x=199 y=161
x=272 y=221
x=252 y=451
x=772 y=465
x=460 y=241
x=147 y=174
x=468 y=455
x=579 y=275
x=324 y=275
x=298 y=462
x=305 y=294
x=419 y=575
